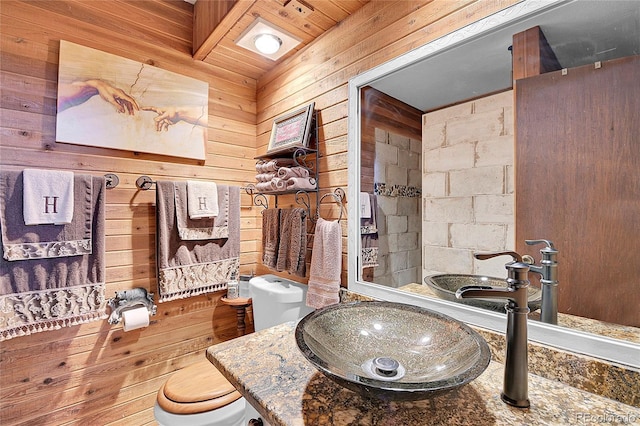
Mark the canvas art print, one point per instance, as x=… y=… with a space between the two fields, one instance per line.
x=112 y=102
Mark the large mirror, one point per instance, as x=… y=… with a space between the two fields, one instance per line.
x=468 y=70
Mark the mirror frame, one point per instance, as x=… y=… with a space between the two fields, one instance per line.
x=576 y=341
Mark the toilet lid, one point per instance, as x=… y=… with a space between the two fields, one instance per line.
x=195 y=389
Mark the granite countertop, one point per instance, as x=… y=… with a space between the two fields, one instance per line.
x=271 y=373
x=614 y=331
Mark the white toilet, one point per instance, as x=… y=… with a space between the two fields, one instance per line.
x=200 y=395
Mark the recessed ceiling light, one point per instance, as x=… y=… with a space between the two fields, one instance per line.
x=267 y=43
x=261 y=31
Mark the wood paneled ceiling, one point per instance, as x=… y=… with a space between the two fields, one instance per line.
x=214 y=43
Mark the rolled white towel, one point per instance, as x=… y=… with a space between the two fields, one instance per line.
x=265 y=177
x=301 y=183
x=260 y=167
x=269 y=166
x=264 y=186
x=289 y=172
x=276 y=163
x=278 y=184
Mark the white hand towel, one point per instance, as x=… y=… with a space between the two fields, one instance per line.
x=365 y=206
x=47 y=197
x=202 y=199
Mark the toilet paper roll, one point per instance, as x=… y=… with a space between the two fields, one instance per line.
x=135 y=318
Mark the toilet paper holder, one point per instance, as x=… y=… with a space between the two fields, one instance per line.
x=127 y=299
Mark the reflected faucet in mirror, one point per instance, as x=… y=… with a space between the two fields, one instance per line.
x=548 y=271
x=516 y=386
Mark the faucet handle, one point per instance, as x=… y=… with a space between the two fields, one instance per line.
x=534 y=242
x=485 y=256
x=549 y=252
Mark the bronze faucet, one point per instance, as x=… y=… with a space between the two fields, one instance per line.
x=548 y=271
x=515 y=387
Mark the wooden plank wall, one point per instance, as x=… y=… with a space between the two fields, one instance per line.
x=95 y=373
x=321 y=73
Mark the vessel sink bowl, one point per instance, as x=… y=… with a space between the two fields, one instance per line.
x=358 y=345
x=446 y=285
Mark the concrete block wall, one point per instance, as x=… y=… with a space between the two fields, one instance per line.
x=398 y=178
x=467 y=186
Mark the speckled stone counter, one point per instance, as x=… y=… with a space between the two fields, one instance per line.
x=269 y=370
x=614 y=331
x=604 y=378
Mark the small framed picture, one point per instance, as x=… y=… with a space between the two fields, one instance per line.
x=292 y=130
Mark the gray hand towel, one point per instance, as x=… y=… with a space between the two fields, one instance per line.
x=189 y=268
x=293 y=242
x=51 y=276
x=270 y=237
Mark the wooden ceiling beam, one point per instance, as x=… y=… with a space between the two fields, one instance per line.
x=212 y=20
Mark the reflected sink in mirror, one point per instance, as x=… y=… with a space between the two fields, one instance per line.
x=391 y=351
x=445 y=286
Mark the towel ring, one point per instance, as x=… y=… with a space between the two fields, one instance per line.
x=338 y=196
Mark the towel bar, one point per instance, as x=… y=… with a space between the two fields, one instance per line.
x=301 y=197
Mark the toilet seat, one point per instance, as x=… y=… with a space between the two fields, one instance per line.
x=196 y=389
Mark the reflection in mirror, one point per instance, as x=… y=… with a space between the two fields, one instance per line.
x=466 y=154
x=465 y=184
x=391 y=206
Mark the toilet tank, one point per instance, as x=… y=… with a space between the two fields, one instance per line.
x=277 y=300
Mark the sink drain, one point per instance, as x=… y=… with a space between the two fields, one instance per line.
x=383 y=368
